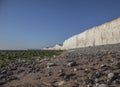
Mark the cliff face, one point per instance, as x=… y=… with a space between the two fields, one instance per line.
x=107 y=33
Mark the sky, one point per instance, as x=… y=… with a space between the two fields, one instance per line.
x=34 y=24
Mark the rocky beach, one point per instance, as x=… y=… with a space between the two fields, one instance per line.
x=59 y=43
x=97 y=66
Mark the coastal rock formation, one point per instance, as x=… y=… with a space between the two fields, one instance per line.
x=56 y=47
x=107 y=33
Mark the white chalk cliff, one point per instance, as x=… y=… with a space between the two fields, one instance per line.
x=106 y=33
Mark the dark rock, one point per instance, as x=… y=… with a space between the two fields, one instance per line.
x=12 y=78
x=4 y=71
x=20 y=71
x=14 y=68
x=26 y=85
x=9 y=73
x=70 y=64
x=75 y=85
x=88 y=81
x=52 y=85
x=117 y=81
x=97 y=74
x=3 y=76
x=61 y=74
x=37 y=78
x=68 y=76
x=2 y=82
x=49 y=73
x=86 y=71
x=118 y=65
x=89 y=85
x=37 y=70
x=105 y=67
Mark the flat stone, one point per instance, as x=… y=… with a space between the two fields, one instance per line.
x=50 y=64
x=61 y=74
x=70 y=64
x=61 y=83
x=102 y=85
x=103 y=65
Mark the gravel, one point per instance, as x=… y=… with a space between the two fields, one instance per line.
x=97 y=66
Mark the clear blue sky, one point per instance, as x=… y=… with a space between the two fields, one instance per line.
x=39 y=23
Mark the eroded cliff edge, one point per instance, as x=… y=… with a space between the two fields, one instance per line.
x=106 y=33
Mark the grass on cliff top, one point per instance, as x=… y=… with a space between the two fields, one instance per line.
x=8 y=55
